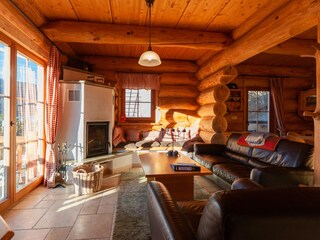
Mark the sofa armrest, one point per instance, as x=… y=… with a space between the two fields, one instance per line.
x=245 y=183
x=208 y=148
x=282 y=176
x=166 y=220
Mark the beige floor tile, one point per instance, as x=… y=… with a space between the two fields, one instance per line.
x=91 y=206
x=24 y=219
x=39 y=234
x=92 y=226
x=58 y=233
x=63 y=216
x=45 y=204
x=30 y=201
x=106 y=208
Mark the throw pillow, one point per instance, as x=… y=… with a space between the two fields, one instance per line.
x=133 y=135
x=117 y=136
x=152 y=135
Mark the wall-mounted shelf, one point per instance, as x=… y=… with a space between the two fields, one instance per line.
x=307 y=102
x=234 y=102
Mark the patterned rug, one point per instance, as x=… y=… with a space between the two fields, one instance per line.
x=131 y=221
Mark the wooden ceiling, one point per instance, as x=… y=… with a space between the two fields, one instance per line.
x=189 y=23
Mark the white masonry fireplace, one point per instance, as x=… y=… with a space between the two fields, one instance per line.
x=86 y=118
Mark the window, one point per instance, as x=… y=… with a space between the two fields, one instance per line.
x=258 y=111
x=138 y=104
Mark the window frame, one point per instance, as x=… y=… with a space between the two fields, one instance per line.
x=14 y=49
x=271 y=112
x=138 y=119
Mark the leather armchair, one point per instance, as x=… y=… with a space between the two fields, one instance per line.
x=251 y=214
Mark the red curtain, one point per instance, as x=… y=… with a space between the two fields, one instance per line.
x=138 y=81
x=51 y=111
x=276 y=86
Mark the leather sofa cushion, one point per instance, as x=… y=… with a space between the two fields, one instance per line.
x=235 y=156
x=192 y=212
x=231 y=172
x=209 y=160
x=257 y=163
x=287 y=154
x=232 y=146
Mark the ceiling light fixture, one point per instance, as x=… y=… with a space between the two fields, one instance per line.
x=149 y=58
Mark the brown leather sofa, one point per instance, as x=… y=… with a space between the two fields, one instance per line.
x=289 y=165
x=251 y=214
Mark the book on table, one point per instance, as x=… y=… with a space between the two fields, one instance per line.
x=185 y=167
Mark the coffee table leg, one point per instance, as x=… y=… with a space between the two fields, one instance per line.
x=181 y=188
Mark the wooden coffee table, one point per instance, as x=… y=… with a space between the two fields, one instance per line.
x=156 y=166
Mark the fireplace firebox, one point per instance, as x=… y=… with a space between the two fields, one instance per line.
x=97 y=138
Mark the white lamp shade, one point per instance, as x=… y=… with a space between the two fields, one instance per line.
x=149 y=59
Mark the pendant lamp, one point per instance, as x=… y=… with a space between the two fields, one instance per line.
x=149 y=58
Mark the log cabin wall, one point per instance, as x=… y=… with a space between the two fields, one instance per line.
x=214 y=93
x=295 y=80
x=175 y=102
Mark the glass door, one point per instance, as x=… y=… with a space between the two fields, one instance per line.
x=4 y=120
x=29 y=121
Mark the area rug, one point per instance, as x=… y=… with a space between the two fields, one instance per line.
x=131 y=221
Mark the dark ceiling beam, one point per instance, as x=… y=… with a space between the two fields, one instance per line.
x=126 y=64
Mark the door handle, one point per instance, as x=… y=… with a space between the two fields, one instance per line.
x=12 y=123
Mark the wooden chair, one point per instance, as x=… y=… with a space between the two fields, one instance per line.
x=5 y=231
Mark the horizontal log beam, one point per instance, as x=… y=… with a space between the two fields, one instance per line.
x=223 y=76
x=265 y=70
x=178 y=79
x=123 y=64
x=178 y=104
x=298 y=47
x=102 y=33
x=289 y=21
x=177 y=91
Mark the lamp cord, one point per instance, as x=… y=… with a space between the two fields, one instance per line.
x=149 y=12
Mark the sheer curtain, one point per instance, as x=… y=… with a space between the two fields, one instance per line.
x=138 y=81
x=276 y=86
x=29 y=100
x=51 y=111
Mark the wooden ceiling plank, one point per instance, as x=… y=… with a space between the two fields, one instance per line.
x=131 y=65
x=18 y=27
x=207 y=9
x=287 y=22
x=56 y=9
x=234 y=13
x=293 y=46
x=257 y=17
x=93 y=10
x=129 y=12
x=30 y=9
x=99 y=33
x=167 y=13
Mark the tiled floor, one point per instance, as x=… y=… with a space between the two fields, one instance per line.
x=59 y=214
